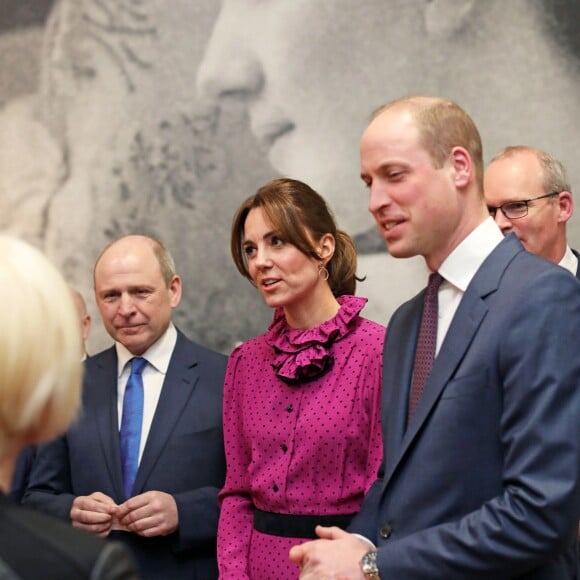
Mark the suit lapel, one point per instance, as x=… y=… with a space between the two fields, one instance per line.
x=578 y=267
x=464 y=326
x=179 y=384
x=102 y=398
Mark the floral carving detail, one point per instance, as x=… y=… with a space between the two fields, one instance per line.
x=166 y=170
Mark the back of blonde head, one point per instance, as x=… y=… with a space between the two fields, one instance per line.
x=40 y=341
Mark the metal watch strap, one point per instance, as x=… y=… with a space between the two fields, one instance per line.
x=368 y=564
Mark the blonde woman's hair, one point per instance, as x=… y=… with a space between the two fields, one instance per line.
x=40 y=342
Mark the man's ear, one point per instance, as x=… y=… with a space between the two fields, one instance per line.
x=566 y=204
x=445 y=17
x=462 y=166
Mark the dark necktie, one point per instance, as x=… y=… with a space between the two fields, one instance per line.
x=130 y=433
x=426 y=343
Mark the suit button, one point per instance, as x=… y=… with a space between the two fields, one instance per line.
x=385 y=531
x=290 y=408
x=275 y=488
x=284 y=447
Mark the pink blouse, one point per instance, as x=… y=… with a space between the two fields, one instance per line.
x=302 y=432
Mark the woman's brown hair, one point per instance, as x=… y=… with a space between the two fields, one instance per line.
x=300 y=216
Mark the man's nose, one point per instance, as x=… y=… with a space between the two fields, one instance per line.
x=504 y=223
x=229 y=68
x=126 y=305
x=378 y=198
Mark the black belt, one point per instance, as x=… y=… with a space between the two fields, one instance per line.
x=293 y=526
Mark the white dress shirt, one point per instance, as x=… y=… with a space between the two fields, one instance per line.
x=569 y=261
x=460 y=267
x=158 y=356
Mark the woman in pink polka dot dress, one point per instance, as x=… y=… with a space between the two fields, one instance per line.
x=302 y=401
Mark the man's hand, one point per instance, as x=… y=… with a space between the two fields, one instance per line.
x=336 y=555
x=93 y=513
x=153 y=513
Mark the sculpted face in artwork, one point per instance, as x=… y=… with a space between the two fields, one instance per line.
x=301 y=68
x=311 y=73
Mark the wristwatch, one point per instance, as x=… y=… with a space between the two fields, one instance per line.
x=368 y=564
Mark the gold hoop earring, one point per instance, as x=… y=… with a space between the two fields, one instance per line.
x=322 y=272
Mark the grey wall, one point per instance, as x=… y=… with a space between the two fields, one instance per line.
x=159 y=116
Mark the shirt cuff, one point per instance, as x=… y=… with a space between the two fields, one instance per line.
x=365 y=540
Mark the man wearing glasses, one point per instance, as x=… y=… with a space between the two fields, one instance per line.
x=527 y=192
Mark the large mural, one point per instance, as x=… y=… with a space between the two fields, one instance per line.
x=159 y=117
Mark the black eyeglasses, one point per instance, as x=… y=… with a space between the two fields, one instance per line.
x=514 y=210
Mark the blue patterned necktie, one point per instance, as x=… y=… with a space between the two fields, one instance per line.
x=426 y=343
x=130 y=433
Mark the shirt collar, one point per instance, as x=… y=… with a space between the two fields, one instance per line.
x=569 y=261
x=461 y=265
x=158 y=354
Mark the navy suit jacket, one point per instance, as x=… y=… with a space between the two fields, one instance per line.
x=21 y=474
x=183 y=456
x=485 y=481
x=38 y=546
x=578 y=268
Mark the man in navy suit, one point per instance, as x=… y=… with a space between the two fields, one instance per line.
x=483 y=479
x=169 y=519
x=527 y=192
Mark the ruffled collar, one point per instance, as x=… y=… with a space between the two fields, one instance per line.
x=303 y=355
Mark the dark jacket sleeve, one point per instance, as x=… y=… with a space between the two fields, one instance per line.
x=114 y=563
x=49 y=488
